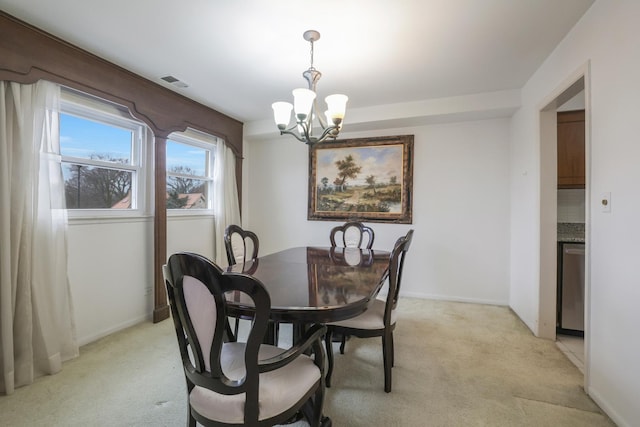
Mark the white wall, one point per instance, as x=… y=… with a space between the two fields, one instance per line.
x=461 y=207
x=606 y=38
x=110 y=274
x=111 y=268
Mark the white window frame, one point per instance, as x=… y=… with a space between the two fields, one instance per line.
x=88 y=107
x=205 y=141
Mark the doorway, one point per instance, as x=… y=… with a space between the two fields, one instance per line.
x=571 y=211
x=548 y=267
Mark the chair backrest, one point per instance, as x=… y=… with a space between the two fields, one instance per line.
x=352 y=234
x=241 y=245
x=196 y=288
x=396 y=265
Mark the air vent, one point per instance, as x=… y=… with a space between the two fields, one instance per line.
x=174 y=81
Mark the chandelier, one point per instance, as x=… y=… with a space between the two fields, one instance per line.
x=305 y=107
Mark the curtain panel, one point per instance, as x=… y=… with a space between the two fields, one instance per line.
x=37 y=331
x=226 y=206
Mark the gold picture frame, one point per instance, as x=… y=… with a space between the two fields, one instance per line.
x=364 y=179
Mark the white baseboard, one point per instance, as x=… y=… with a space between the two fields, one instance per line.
x=101 y=334
x=604 y=405
x=453 y=298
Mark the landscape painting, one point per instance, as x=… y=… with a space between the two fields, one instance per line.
x=364 y=179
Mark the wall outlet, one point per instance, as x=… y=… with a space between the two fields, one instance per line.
x=605 y=202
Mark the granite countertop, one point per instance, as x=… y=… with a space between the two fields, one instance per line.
x=569 y=232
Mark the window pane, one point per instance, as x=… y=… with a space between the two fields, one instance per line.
x=92 y=140
x=89 y=187
x=186 y=193
x=186 y=159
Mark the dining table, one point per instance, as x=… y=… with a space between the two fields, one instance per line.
x=314 y=284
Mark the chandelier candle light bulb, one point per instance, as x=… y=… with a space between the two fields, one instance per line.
x=303 y=103
x=282 y=114
x=304 y=107
x=336 y=107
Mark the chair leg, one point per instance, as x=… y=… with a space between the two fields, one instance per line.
x=393 y=351
x=326 y=422
x=298 y=331
x=329 y=346
x=276 y=332
x=231 y=337
x=343 y=342
x=318 y=406
x=271 y=335
x=387 y=355
x=236 y=327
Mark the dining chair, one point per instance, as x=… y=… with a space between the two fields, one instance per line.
x=379 y=320
x=238 y=383
x=352 y=234
x=238 y=243
x=242 y=245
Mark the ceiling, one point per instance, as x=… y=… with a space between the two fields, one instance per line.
x=240 y=56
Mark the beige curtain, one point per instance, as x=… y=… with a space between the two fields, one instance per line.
x=37 y=332
x=226 y=205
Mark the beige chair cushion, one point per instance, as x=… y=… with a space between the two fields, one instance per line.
x=202 y=308
x=373 y=318
x=279 y=389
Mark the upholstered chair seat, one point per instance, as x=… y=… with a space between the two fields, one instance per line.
x=371 y=319
x=279 y=390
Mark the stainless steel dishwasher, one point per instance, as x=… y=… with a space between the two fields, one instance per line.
x=571 y=289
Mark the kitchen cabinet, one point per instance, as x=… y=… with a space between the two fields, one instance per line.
x=571 y=150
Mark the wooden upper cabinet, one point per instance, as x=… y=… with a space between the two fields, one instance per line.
x=571 y=158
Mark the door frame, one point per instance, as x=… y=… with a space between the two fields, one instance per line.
x=577 y=81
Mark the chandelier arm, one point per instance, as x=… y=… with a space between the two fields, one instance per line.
x=295 y=135
x=328 y=133
x=306 y=127
x=304 y=136
x=308 y=139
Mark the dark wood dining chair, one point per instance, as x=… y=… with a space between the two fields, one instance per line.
x=240 y=244
x=352 y=234
x=238 y=383
x=379 y=320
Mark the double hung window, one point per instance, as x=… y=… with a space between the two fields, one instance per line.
x=190 y=164
x=102 y=149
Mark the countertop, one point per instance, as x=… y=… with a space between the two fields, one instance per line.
x=570 y=232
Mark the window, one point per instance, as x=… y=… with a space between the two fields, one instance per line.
x=190 y=160
x=102 y=151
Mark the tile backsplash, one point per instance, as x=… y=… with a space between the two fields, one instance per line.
x=571 y=205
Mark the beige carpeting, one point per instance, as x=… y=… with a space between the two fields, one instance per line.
x=456 y=365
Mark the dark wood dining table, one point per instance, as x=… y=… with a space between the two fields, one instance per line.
x=314 y=284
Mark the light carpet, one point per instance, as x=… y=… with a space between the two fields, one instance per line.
x=456 y=364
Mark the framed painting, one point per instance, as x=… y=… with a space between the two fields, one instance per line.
x=363 y=179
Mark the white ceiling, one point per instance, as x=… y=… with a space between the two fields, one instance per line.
x=238 y=56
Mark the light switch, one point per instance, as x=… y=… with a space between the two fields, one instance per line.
x=605 y=202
